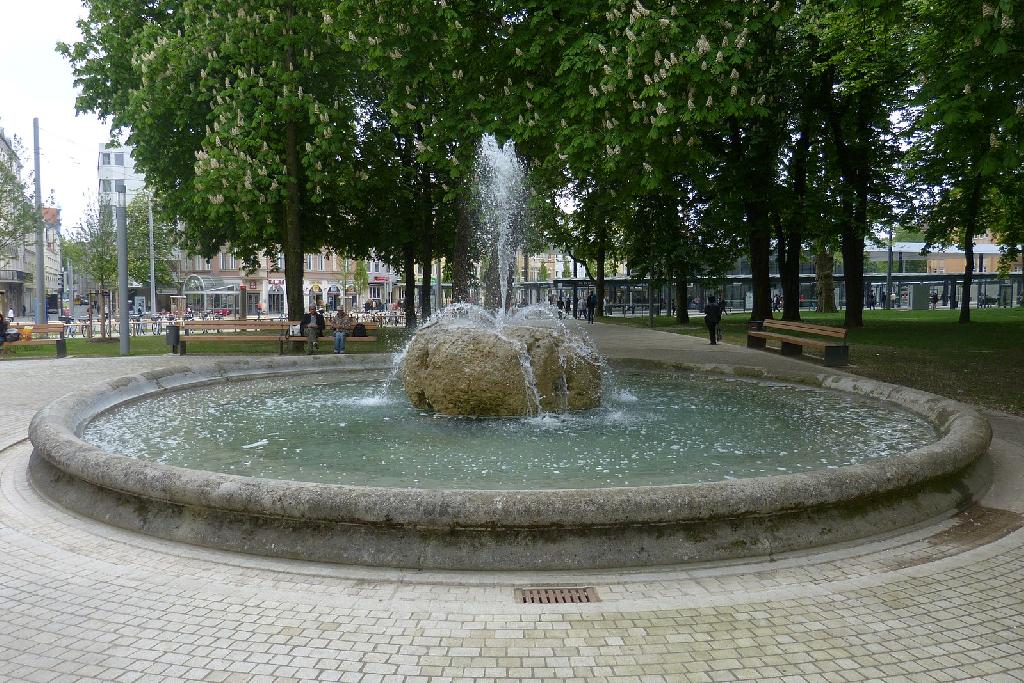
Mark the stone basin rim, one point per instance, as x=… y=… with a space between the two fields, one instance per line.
x=54 y=432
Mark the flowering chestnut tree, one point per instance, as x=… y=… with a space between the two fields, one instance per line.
x=240 y=116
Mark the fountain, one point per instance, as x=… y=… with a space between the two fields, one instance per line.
x=298 y=457
x=470 y=361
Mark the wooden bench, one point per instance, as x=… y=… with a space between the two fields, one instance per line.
x=834 y=350
x=45 y=333
x=242 y=331
x=372 y=328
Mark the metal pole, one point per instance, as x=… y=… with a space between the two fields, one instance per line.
x=152 y=262
x=40 y=234
x=888 y=276
x=69 y=286
x=122 y=271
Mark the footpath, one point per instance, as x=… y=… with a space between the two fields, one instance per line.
x=83 y=601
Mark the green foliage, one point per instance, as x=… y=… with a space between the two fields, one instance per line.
x=966 y=154
x=165 y=237
x=93 y=250
x=361 y=278
x=18 y=218
x=240 y=116
x=667 y=135
x=542 y=274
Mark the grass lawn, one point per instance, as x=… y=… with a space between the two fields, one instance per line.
x=981 y=363
x=388 y=339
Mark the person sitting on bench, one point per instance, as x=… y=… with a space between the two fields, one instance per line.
x=342 y=325
x=311 y=326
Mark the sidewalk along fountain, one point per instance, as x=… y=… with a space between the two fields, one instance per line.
x=471 y=361
x=302 y=458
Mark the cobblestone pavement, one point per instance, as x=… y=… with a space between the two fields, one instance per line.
x=81 y=601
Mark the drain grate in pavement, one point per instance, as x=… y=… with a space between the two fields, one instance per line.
x=541 y=596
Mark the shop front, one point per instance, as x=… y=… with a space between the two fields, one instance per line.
x=333 y=298
x=207 y=293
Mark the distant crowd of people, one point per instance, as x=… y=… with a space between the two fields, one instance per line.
x=565 y=306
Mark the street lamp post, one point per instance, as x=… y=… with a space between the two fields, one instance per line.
x=888 y=276
x=122 y=269
x=152 y=261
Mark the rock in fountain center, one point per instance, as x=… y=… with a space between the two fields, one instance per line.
x=500 y=371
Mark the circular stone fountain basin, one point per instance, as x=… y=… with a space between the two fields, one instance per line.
x=611 y=491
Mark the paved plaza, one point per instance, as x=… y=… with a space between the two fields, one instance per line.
x=83 y=601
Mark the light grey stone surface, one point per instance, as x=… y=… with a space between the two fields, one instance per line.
x=538 y=529
x=85 y=601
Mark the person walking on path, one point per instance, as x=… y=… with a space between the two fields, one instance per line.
x=10 y=314
x=311 y=326
x=712 y=316
x=591 y=305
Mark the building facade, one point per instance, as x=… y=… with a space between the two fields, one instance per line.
x=18 y=277
x=329 y=282
x=115 y=167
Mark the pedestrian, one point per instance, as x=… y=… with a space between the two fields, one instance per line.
x=575 y=307
x=935 y=300
x=10 y=315
x=342 y=325
x=310 y=327
x=591 y=305
x=561 y=307
x=712 y=316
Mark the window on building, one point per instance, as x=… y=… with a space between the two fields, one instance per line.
x=106 y=186
x=320 y=262
x=119 y=159
x=223 y=261
x=275 y=300
x=375 y=292
x=309 y=262
x=280 y=263
x=105 y=159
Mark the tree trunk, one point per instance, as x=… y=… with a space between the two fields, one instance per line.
x=754 y=165
x=760 y=252
x=602 y=252
x=292 y=247
x=650 y=304
x=789 y=274
x=965 y=299
x=970 y=228
x=426 y=259
x=787 y=255
x=824 y=283
x=853 y=276
x=427 y=237
x=409 y=265
x=462 y=263
x=682 y=301
x=790 y=236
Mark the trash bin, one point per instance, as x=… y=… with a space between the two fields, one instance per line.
x=173 y=337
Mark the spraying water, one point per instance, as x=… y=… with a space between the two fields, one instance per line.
x=492 y=360
x=500 y=194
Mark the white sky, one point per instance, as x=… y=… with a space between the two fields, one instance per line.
x=37 y=82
